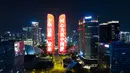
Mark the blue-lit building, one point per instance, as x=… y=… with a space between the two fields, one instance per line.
x=11 y=57
x=120 y=57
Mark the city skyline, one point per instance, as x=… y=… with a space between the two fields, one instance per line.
x=17 y=14
x=71 y=36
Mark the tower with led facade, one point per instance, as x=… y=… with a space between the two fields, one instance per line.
x=62 y=34
x=50 y=34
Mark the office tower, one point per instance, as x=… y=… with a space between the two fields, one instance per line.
x=81 y=35
x=120 y=58
x=103 y=32
x=109 y=31
x=88 y=36
x=124 y=37
x=11 y=56
x=35 y=34
x=27 y=31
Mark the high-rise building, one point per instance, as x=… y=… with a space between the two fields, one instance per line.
x=81 y=35
x=125 y=37
x=88 y=36
x=50 y=35
x=35 y=33
x=109 y=31
x=120 y=58
x=27 y=31
x=62 y=34
x=32 y=34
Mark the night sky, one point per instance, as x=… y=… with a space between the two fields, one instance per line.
x=15 y=14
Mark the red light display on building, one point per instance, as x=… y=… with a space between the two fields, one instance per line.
x=18 y=48
x=62 y=34
x=50 y=34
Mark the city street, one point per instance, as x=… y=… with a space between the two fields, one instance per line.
x=43 y=66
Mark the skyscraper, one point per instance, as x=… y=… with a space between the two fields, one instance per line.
x=50 y=34
x=27 y=31
x=81 y=35
x=35 y=34
x=109 y=31
x=88 y=36
x=62 y=34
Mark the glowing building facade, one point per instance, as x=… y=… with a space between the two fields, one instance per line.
x=62 y=34
x=50 y=34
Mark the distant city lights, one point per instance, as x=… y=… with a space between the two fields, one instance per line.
x=106 y=45
x=86 y=67
x=34 y=22
x=81 y=53
x=88 y=17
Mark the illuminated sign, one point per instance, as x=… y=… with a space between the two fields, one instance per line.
x=62 y=34
x=50 y=34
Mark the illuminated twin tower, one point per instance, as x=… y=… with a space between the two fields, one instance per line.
x=61 y=34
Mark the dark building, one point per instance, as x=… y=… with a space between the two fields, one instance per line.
x=120 y=58
x=103 y=32
x=11 y=57
x=109 y=31
x=88 y=36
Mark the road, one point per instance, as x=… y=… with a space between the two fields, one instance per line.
x=58 y=64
